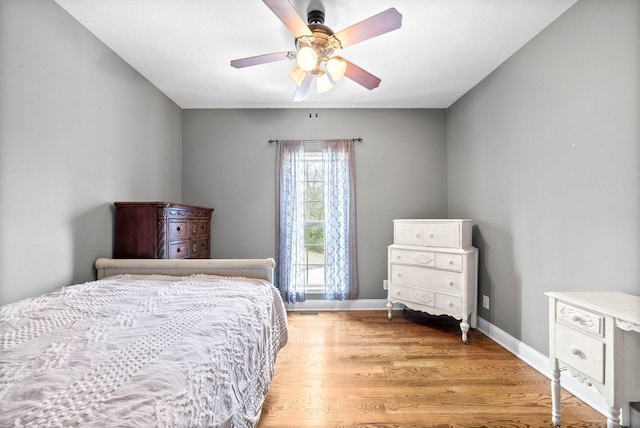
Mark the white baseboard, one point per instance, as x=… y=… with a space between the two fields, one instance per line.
x=339 y=305
x=527 y=354
x=540 y=362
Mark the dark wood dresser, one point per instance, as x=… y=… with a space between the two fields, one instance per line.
x=162 y=230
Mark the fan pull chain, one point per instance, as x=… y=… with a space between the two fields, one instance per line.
x=309 y=98
x=313 y=93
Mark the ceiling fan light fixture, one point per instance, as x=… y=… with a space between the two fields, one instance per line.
x=315 y=44
x=307 y=58
x=297 y=74
x=323 y=83
x=336 y=67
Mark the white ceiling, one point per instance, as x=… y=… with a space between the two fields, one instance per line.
x=443 y=49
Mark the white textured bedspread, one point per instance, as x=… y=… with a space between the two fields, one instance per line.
x=141 y=351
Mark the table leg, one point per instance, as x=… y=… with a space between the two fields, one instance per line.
x=389 y=307
x=555 y=394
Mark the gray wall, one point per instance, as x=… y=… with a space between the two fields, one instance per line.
x=400 y=173
x=79 y=129
x=544 y=156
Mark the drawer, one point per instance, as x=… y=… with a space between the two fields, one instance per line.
x=448 y=261
x=179 y=250
x=203 y=245
x=424 y=297
x=426 y=278
x=421 y=258
x=583 y=352
x=442 y=235
x=400 y=292
x=580 y=318
x=199 y=248
x=433 y=233
x=408 y=233
x=198 y=229
x=178 y=230
x=450 y=303
x=194 y=248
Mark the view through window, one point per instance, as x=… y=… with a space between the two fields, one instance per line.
x=313 y=223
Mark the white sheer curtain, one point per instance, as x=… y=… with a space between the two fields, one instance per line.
x=290 y=220
x=341 y=269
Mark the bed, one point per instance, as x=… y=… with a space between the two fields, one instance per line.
x=164 y=343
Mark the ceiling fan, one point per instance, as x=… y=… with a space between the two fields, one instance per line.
x=316 y=43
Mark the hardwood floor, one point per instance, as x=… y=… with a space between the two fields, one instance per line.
x=357 y=369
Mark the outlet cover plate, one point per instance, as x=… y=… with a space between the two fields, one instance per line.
x=485 y=301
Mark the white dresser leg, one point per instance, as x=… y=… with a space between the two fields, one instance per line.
x=613 y=420
x=464 y=326
x=555 y=394
x=389 y=307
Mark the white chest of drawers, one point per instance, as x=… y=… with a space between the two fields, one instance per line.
x=595 y=336
x=432 y=267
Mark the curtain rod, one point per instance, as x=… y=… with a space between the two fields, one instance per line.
x=355 y=140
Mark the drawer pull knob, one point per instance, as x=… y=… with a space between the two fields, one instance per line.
x=450 y=262
x=450 y=304
x=178 y=250
x=178 y=228
x=576 y=351
x=450 y=283
x=575 y=317
x=431 y=235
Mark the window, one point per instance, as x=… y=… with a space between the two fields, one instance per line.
x=316 y=251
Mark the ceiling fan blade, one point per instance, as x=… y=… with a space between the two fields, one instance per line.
x=303 y=90
x=361 y=76
x=376 y=25
x=262 y=59
x=284 y=10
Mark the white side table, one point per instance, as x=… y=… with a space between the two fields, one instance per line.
x=595 y=336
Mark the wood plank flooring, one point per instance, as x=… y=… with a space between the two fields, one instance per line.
x=357 y=369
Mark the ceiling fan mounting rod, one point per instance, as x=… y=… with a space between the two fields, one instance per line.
x=315 y=17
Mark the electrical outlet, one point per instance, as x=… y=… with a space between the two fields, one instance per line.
x=385 y=284
x=485 y=301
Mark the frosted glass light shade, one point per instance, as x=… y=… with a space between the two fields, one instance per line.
x=297 y=74
x=323 y=82
x=307 y=58
x=336 y=68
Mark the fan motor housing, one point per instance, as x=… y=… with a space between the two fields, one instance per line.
x=321 y=33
